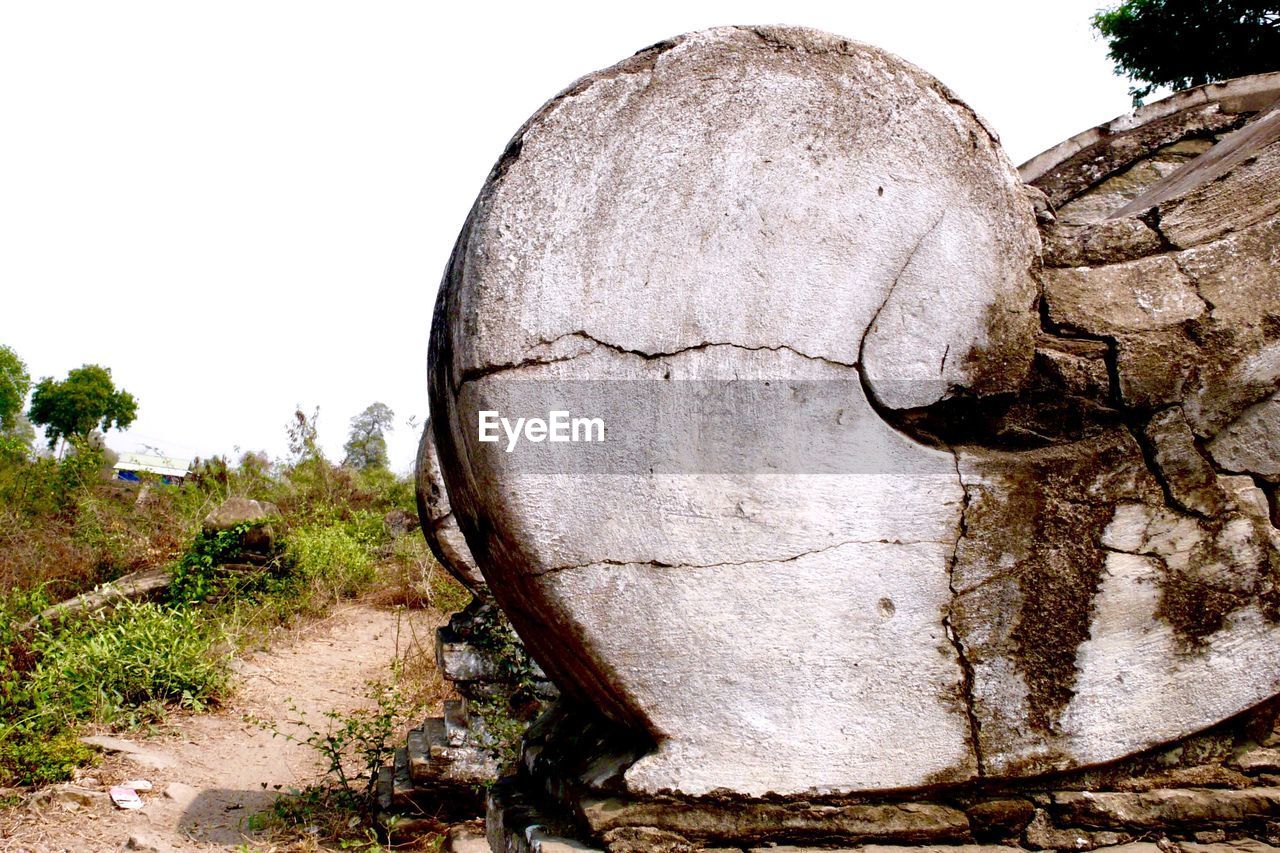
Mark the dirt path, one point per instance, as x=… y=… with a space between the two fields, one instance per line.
x=211 y=772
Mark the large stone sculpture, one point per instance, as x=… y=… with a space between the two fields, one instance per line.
x=976 y=525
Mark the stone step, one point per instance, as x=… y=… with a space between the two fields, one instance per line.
x=459 y=660
x=395 y=784
x=384 y=783
x=515 y=825
x=456 y=722
x=432 y=760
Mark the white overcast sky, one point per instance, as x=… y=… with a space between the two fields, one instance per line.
x=243 y=206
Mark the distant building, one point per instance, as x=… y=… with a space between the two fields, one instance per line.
x=170 y=470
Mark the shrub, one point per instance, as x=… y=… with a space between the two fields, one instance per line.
x=194 y=577
x=33 y=750
x=330 y=560
x=127 y=665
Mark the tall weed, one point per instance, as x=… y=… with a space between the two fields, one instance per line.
x=126 y=665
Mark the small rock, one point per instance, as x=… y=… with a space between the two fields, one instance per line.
x=181 y=793
x=645 y=839
x=994 y=819
x=1043 y=835
x=1242 y=845
x=1161 y=810
x=136 y=753
x=1262 y=760
x=398 y=522
x=77 y=796
x=1211 y=836
x=1199 y=776
x=148 y=842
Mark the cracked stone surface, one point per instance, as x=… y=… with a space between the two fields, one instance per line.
x=767 y=205
x=1042 y=505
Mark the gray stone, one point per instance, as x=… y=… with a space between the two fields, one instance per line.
x=802 y=205
x=1234 y=360
x=1190 y=478
x=398 y=522
x=996 y=819
x=75 y=796
x=645 y=839
x=1243 y=190
x=889 y=848
x=134 y=752
x=1135 y=296
x=1251 y=443
x=1240 y=845
x=181 y=793
x=234 y=511
x=438 y=523
x=1113 y=194
x=149 y=842
x=1106 y=242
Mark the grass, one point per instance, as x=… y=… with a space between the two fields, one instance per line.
x=64 y=528
x=128 y=665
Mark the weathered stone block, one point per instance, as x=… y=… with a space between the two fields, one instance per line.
x=1166 y=809
x=746 y=821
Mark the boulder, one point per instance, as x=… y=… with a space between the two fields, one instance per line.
x=837 y=531
x=235 y=511
x=809 y=210
x=397 y=522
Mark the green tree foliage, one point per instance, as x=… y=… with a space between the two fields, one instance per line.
x=86 y=400
x=15 y=382
x=367 y=446
x=1184 y=43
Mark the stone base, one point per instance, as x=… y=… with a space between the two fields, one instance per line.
x=438 y=778
x=1216 y=792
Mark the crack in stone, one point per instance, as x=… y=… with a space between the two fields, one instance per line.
x=482 y=372
x=658 y=564
x=861 y=362
x=966 y=666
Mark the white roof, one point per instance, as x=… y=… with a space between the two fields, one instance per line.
x=169 y=466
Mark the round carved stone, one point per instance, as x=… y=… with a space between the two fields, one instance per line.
x=819 y=548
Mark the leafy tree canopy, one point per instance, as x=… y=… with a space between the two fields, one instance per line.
x=1184 y=43
x=15 y=382
x=367 y=446
x=86 y=400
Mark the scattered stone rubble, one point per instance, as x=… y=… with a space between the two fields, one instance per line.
x=1077 y=563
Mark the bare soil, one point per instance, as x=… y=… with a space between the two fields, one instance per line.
x=212 y=772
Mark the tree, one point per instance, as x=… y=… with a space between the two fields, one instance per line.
x=303 y=431
x=1184 y=43
x=367 y=446
x=15 y=382
x=86 y=400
